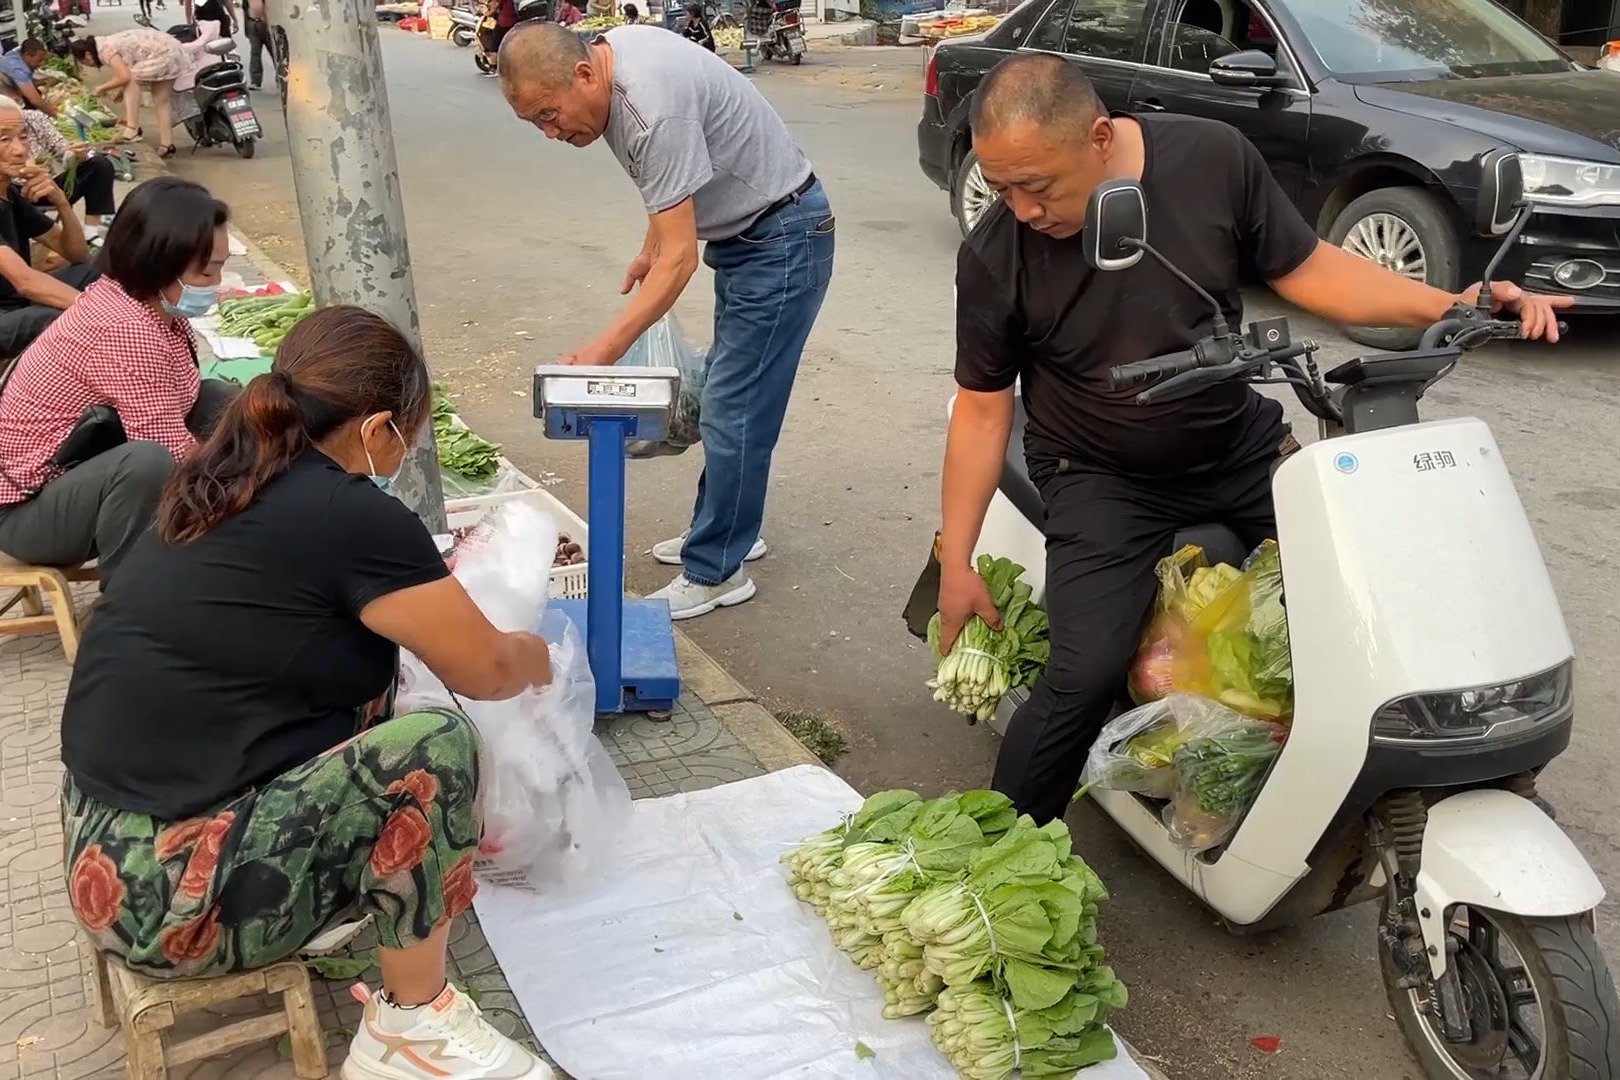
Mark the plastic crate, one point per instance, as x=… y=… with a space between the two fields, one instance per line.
x=567 y=582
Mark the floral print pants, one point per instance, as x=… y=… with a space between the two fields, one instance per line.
x=386 y=825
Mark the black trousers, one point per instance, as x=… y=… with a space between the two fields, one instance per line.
x=1104 y=536
x=19 y=326
x=93 y=183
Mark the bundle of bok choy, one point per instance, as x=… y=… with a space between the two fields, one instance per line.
x=984 y=664
x=958 y=902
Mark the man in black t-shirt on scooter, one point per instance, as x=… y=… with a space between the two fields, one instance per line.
x=1119 y=479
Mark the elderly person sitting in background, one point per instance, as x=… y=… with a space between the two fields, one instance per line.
x=227 y=801
x=124 y=350
x=81 y=173
x=30 y=299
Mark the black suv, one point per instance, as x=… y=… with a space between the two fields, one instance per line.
x=1373 y=114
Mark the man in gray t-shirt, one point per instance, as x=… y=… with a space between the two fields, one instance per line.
x=715 y=166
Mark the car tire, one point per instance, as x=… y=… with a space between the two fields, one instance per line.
x=1399 y=215
x=971 y=198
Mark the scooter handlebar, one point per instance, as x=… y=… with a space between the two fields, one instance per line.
x=1129 y=376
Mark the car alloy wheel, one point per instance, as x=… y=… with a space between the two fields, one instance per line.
x=1391 y=243
x=977 y=195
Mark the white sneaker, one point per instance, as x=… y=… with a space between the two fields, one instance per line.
x=687 y=599
x=335 y=938
x=447 y=1037
x=668 y=552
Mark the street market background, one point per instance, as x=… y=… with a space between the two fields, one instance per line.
x=518 y=249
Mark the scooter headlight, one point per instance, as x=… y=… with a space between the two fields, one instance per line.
x=1480 y=714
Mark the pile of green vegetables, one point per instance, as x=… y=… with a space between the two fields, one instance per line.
x=985 y=664
x=265 y=320
x=461 y=450
x=962 y=907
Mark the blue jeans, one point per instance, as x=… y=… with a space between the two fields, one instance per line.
x=769 y=283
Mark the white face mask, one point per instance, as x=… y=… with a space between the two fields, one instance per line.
x=386 y=483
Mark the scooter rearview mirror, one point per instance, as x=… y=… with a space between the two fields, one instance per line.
x=1501 y=192
x=1116 y=226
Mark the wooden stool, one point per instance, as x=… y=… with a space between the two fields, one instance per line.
x=31 y=586
x=145 y=1008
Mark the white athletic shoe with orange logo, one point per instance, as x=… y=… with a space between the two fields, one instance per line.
x=446 y=1038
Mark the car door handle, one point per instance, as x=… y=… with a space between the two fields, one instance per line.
x=1149 y=105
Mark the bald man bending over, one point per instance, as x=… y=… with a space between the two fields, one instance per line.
x=1119 y=479
x=714 y=164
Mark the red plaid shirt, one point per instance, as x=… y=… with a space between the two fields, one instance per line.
x=107 y=349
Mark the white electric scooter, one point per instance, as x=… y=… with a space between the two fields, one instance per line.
x=1432 y=683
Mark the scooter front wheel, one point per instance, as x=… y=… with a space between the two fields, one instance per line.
x=1532 y=1000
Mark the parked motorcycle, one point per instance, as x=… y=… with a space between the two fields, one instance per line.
x=52 y=27
x=464 y=26
x=218 y=111
x=487 y=37
x=774 y=25
x=1433 y=683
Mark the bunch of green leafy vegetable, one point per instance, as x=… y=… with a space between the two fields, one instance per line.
x=462 y=450
x=987 y=1038
x=1225 y=771
x=877 y=880
x=959 y=903
x=984 y=664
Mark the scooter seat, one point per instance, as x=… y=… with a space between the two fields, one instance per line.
x=1220 y=544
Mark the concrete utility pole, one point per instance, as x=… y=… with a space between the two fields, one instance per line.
x=342 y=146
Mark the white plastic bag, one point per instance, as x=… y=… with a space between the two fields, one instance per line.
x=554 y=805
x=663 y=345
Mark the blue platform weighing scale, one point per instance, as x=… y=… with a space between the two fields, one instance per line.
x=630 y=642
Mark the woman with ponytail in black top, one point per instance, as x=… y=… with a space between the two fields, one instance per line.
x=226 y=802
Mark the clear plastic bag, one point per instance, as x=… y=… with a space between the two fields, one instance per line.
x=1207 y=760
x=554 y=805
x=663 y=345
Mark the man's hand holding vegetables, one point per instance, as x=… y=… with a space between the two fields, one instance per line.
x=1119 y=479
x=716 y=167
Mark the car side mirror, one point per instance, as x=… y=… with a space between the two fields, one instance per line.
x=1501 y=192
x=1247 y=67
x=1116 y=226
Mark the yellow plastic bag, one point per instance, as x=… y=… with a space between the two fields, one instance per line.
x=1151 y=677
x=1234 y=648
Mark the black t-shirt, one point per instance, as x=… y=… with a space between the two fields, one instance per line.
x=213 y=11
x=214 y=666
x=1028 y=307
x=21 y=223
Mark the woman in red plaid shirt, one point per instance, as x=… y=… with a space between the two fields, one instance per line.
x=125 y=344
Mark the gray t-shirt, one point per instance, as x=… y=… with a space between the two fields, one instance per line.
x=686 y=124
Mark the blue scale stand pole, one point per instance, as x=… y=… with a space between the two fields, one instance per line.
x=604 y=606
x=631 y=643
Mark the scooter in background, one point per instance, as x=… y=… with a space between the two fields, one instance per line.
x=218 y=111
x=464 y=26
x=1432 y=682
x=775 y=26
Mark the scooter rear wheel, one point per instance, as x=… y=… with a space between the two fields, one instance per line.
x=244 y=148
x=1536 y=993
x=485 y=63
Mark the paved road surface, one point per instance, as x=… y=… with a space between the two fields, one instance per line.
x=519 y=247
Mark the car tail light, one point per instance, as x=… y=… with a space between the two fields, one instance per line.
x=931 y=75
